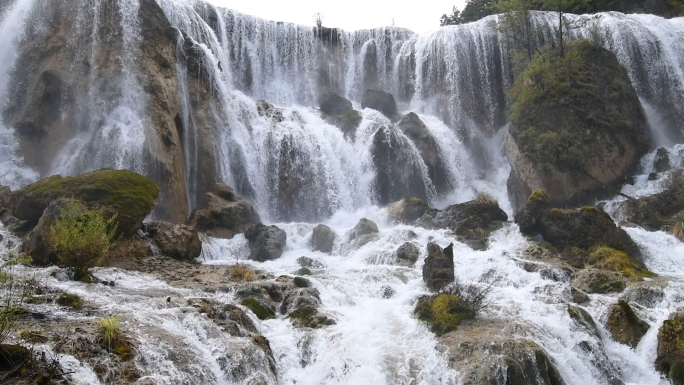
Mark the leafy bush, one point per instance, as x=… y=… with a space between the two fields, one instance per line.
x=80 y=237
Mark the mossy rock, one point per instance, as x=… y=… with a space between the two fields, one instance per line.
x=670 y=357
x=70 y=300
x=618 y=261
x=577 y=126
x=309 y=317
x=12 y=356
x=443 y=312
x=262 y=312
x=124 y=193
x=624 y=325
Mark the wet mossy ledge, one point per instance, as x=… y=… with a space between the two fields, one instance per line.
x=125 y=193
x=577 y=126
x=443 y=312
x=670 y=353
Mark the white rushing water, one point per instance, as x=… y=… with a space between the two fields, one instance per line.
x=455 y=79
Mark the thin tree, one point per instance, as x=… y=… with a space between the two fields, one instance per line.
x=318 y=19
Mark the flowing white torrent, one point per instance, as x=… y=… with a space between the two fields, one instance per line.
x=456 y=80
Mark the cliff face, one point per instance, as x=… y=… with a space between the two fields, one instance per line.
x=99 y=87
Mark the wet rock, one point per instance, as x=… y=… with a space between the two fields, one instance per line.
x=583 y=236
x=265 y=242
x=661 y=162
x=309 y=263
x=661 y=211
x=598 y=281
x=364 y=232
x=573 y=156
x=382 y=101
x=301 y=282
x=176 y=241
x=123 y=193
x=322 y=238
x=471 y=221
x=407 y=210
x=407 y=254
x=338 y=111
x=260 y=310
x=300 y=297
x=578 y=296
x=438 y=270
x=15 y=225
x=670 y=353
x=646 y=294
x=230 y=318
x=303 y=271
x=487 y=354
x=624 y=325
x=399 y=172
x=268 y=110
x=583 y=320
x=310 y=317
x=225 y=214
x=419 y=134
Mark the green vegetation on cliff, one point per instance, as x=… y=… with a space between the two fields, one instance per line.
x=443 y=312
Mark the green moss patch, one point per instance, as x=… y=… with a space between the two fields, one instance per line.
x=442 y=312
x=304 y=315
x=618 y=261
x=70 y=300
x=262 y=312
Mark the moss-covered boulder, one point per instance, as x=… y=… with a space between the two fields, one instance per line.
x=670 y=358
x=309 y=317
x=123 y=193
x=443 y=312
x=624 y=325
x=584 y=237
x=472 y=222
x=577 y=126
x=260 y=310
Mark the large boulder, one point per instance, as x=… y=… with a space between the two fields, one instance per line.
x=382 y=101
x=399 y=171
x=407 y=210
x=577 y=127
x=670 y=356
x=487 y=353
x=364 y=232
x=419 y=134
x=624 y=325
x=407 y=254
x=265 y=242
x=123 y=193
x=582 y=236
x=338 y=111
x=471 y=221
x=322 y=238
x=438 y=270
x=175 y=241
x=226 y=214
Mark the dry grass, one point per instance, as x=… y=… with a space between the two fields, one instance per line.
x=242 y=273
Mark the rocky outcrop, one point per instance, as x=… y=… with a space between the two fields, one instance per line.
x=322 y=239
x=407 y=254
x=472 y=221
x=37 y=243
x=381 y=101
x=338 y=111
x=438 y=270
x=419 y=134
x=661 y=211
x=576 y=136
x=407 y=210
x=624 y=325
x=123 y=193
x=175 y=241
x=398 y=169
x=582 y=236
x=269 y=111
x=265 y=242
x=670 y=356
x=225 y=214
x=661 y=161
x=364 y=232
x=486 y=353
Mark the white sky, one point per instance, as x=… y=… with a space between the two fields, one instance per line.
x=418 y=16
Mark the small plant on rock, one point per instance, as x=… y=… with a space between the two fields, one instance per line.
x=240 y=273
x=110 y=336
x=81 y=237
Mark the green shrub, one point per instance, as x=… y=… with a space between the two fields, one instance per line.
x=443 y=312
x=80 y=237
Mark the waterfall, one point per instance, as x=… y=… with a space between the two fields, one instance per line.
x=223 y=97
